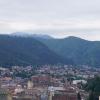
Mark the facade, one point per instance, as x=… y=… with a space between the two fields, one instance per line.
x=5 y=95
x=64 y=96
x=60 y=93
x=41 y=80
x=30 y=85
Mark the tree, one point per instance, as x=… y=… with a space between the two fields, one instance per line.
x=91 y=96
x=78 y=96
x=93 y=86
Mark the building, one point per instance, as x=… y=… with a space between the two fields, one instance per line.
x=30 y=85
x=5 y=95
x=41 y=80
x=60 y=93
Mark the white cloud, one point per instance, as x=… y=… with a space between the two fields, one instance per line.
x=55 y=17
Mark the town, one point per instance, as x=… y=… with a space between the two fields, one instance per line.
x=47 y=82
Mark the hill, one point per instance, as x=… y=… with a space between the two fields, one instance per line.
x=79 y=50
x=26 y=51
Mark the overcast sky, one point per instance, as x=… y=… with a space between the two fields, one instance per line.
x=58 y=18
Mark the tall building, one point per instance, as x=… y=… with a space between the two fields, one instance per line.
x=30 y=85
x=51 y=92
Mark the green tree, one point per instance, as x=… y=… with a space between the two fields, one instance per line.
x=78 y=96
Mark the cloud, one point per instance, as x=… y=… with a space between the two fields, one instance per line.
x=58 y=18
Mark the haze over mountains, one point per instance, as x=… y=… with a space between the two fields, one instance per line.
x=42 y=49
x=23 y=34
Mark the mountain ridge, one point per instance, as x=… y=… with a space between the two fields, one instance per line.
x=81 y=51
x=70 y=50
x=26 y=51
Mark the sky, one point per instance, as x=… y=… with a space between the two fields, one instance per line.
x=58 y=18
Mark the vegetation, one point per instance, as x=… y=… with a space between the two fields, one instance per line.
x=82 y=52
x=16 y=50
x=24 y=74
x=26 y=51
x=93 y=87
x=78 y=96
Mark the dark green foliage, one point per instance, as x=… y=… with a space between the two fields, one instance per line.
x=24 y=74
x=29 y=51
x=78 y=96
x=82 y=52
x=93 y=87
x=91 y=96
x=26 y=51
x=93 y=84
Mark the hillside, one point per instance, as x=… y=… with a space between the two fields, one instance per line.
x=26 y=51
x=79 y=50
x=16 y=50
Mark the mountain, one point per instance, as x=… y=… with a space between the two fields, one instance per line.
x=21 y=50
x=26 y=51
x=79 y=50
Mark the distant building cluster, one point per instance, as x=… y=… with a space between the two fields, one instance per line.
x=45 y=82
